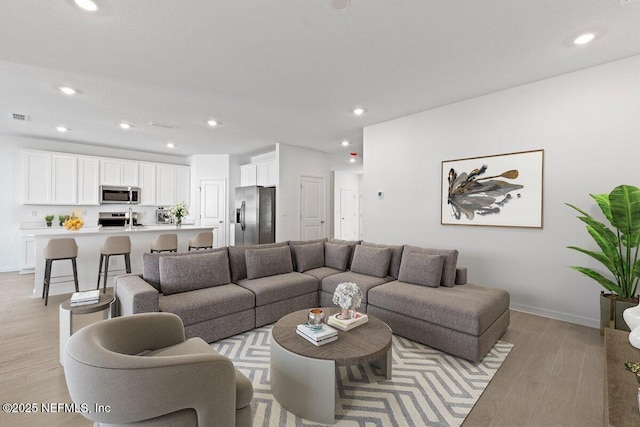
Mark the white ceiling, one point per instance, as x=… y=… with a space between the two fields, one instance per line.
x=287 y=71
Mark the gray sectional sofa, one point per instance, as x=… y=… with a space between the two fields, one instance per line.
x=420 y=293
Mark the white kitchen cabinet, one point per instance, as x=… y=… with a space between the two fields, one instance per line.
x=49 y=178
x=36 y=179
x=147 y=182
x=118 y=172
x=248 y=175
x=172 y=184
x=27 y=255
x=64 y=179
x=88 y=180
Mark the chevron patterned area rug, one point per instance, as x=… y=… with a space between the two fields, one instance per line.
x=428 y=388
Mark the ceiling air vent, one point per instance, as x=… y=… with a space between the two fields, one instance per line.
x=21 y=117
x=623 y=2
x=163 y=125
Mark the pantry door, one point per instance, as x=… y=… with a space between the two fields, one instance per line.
x=213 y=209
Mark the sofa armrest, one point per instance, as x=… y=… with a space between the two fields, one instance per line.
x=461 y=276
x=134 y=295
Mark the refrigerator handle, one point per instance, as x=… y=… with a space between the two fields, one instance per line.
x=243 y=224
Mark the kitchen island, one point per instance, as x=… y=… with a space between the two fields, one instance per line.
x=89 y=240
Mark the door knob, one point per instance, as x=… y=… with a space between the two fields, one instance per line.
x=321 y=222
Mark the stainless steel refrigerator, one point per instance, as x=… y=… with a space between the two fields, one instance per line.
x=255 y=215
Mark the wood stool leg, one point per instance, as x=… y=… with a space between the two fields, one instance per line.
x=127 y=262
x=47 y=281
x=106 y=272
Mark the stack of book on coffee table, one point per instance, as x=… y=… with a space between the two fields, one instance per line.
x=85 y=298
x=317 y=336
x=347 y=324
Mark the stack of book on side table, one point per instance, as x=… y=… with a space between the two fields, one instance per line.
x=347 y=324
x=317 y=336
x=85 y=298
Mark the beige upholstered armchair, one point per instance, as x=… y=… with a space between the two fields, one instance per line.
x=141 y=369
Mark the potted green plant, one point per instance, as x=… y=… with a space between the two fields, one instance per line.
x=618 y=251
x=62 y=219
x=49 y=219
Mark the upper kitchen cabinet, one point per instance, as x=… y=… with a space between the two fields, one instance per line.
x=118 y=172
x=147 y=181
x=172 y=184
x=49 y=178
x=264 y=174
x=248 y=175
x=88 y=180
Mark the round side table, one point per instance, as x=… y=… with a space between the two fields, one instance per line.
x=67 y=312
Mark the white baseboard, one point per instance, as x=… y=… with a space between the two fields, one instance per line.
x=9 y=270
x=585 y=321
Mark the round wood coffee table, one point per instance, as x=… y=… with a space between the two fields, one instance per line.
x=303 y=378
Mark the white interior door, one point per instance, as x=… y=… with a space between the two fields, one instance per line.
x=348 y=214
x=213 y=209
x=312 y=208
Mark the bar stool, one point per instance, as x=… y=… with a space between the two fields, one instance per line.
x=56 y=250
x=114 y=245
x=202 y=241
x=165 y=243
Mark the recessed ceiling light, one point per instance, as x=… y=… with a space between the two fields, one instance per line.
x=340 y=4
x=170 y=145
x=358 y=111
x=345 y=143
x=62 y=129
x=88 y=5
x=125 y=125
x=352 y=160
x=212 y=123
x=67 y=90
x=584 y=38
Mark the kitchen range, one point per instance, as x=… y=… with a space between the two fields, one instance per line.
x=118 y=219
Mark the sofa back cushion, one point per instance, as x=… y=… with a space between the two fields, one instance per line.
x=293 y=243
x=421 y=269
x=396 y=257
x=308 y=257
x=337 y=256
x=151 y=264
x=371 y=261
x=237 y=260
x=268 y=262
x=351 y=243
x=189 y=273
x=449 y=263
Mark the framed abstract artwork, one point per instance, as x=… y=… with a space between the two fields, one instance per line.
x=503 y=190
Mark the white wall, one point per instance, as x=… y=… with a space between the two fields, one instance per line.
x=293 y=163
x=11 y=189
x=347 y=181
x=588 y=124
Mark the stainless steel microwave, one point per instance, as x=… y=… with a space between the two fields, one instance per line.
x=119 y=195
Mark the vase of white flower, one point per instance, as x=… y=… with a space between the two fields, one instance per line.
x=349 y=297
x=179 y=211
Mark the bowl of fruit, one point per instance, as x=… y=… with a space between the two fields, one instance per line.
x=73 y=223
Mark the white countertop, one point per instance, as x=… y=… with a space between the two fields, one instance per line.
x=57 y=231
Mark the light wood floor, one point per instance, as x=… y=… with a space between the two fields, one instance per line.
x=553 y=376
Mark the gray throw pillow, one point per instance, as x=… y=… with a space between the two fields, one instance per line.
x=421 y=269
x=308 y=257
x=268 y=262
x=351 y=243
x=371 y=261
x=188 y=273
x=337 y=256
x=449 y=266
x=396 y=257
x=151 y=264
x=238 y=262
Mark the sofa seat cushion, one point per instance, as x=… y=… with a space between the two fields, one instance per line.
x=470 y=309
x=209 y=303
x=244 y=389
x=364 y=282
x=281 y=287
x=322 y=272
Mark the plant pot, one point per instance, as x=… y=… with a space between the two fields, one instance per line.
x=611 y=311
x=49 y=224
